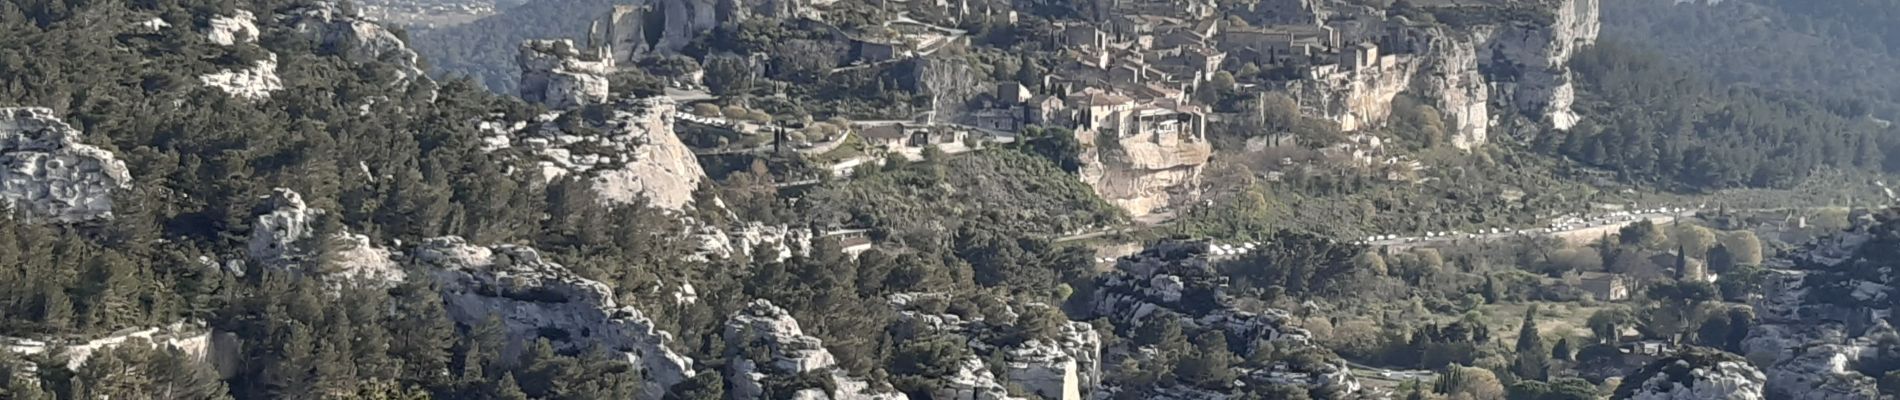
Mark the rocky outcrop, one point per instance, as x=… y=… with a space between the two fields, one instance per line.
x=536 y=298
x=1145 y=172
x=51 y=175
x=1062 y=366
x=764 y=340
x=752 y=241
x=1696 y=374
x=220 y=349
x=554 y=73
x=285 y=237
x=240 y=27
x=355 y=38
x=626 y=26
x=1823 y=312
x=973 y=381
x=627 y=154
x=255 y=83
x=1175 y=278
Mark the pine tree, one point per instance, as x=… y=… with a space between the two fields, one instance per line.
x=1563 y=351
x=1532 y=358
x=421 y=334
x=509 y=389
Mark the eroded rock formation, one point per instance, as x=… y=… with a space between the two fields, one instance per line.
x=220 y=349
x=286 y=237
x=51 y=175
x=256 y=82
x=764 y=340
x=358 y=39
x=536 y=298
x=556 y=74
x=1176 y=277
x=240 y=27
x=1820 y=315
x=1696 y=374
x=627 y=153
x=1469 y=72
x=751 y=240
x=1063 y=366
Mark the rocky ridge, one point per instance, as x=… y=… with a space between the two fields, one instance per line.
x=1176 y=277
x=1822 y=312
x=1064 y=366
x=361 y=41
x=51 y=175
x=220 y=349
x=536 y=298
x=626 y=152
x=1696 y=374
x=764 y=341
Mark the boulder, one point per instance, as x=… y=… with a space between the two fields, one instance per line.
x=51 y=175
x=536 y=298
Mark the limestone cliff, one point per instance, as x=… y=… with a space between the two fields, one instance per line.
x=1696 y=374
x=239 y=27
x=1145 y=172
x=556 y=74
x=536 y=298
x=626 y=152
x=764 y=341
x=49 y=174
x=1515 y=62
x=627 y=31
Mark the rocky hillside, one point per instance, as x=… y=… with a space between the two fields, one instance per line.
x=1824 y=330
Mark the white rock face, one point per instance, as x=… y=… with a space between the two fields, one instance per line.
x=1540 y=53
x=762 y=328
x=283 y=238
x=630 y=155
x=536 y=298
x=1064 y=368
x=240 y=27
x=255 y=83
x=51 y=175
x=360 y=39
x=555 y=73
x=753 y=240
x=1685 y=379
x=1528 y=61
x=218 y=348
x=973 y=381
x=1145 y=172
